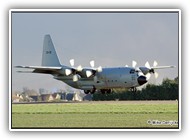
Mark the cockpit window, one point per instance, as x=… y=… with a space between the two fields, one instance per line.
x=132 y=71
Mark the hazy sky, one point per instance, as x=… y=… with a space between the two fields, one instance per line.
x=111 y=39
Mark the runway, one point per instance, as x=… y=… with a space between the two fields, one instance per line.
x=107 y=102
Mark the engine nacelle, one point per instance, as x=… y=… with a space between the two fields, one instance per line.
x=144 y=70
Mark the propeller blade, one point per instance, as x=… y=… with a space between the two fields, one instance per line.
x=92 y=63
x=134 y=63
x=72 y=62
x=151 y=70
x=88 y=73
x=148 y=75
x=68 y=72
x=99 y=69
x=155 y=63
x=79 y=68
x=75 y=78
x=147 y=65
x=156 y=75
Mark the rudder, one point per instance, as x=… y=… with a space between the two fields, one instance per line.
x=49 y=55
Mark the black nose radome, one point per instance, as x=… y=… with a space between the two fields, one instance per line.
x=141 y=80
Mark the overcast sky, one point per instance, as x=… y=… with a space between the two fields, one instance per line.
x=111 y=39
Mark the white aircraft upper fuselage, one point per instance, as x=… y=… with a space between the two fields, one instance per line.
x=90 y=79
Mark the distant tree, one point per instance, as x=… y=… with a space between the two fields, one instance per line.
x=120 y=90
x=168 y=90
x=29 y=92
x=25 y=89
x=176 y=80
x=41 y=90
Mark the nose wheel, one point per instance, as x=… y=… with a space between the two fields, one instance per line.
x=133 y=89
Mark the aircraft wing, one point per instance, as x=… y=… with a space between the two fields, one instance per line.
x=62 y=70
x=162 y=67
x=41 y=69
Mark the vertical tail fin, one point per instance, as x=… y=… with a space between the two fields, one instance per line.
x=49 y=55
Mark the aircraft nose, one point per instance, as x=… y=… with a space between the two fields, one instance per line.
x=141 y=80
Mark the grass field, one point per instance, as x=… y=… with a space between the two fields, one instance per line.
x=114 y=114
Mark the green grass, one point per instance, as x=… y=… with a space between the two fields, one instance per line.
x=93 y=115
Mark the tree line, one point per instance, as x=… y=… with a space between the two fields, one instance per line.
x=168 y=90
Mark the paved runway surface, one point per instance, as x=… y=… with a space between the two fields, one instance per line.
x=108 y=102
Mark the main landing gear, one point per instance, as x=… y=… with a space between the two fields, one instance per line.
x=103 y=91
x=90 y=91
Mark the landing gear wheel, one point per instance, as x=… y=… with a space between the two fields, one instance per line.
x=92 y=90
x=134 y=89
x=86 y=91
x=109 y=91
x=103 y=91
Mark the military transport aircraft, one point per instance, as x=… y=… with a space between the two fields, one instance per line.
x=91 y=78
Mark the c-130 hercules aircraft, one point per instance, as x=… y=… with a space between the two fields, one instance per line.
x=91 y=79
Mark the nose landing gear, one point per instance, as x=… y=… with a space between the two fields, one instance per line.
x=133 y=89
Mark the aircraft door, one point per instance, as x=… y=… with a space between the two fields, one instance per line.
x=132 y=77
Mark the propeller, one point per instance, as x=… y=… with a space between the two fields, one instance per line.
x=147 y=70
x=70 y=71
x=134 y=63
x=72 y=62
x=76 y=77
x=155 y=63
x=151 y=70
x=92 y=63
x=99 y=69
x=156 y=75
x=90 y=72
x=148 y=75
x=147 y=65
